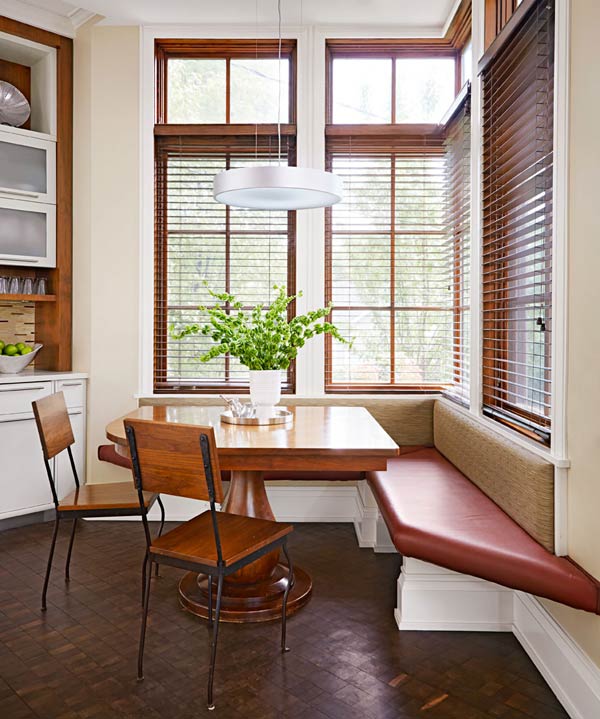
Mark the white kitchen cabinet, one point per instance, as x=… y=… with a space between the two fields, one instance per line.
x=24 y=486
x=27 y=168
x=27 y=233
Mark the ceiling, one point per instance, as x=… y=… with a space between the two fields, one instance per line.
x=425 y=14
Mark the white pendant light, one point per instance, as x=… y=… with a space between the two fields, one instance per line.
x=277 y=187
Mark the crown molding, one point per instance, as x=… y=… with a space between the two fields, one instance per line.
x=80 y=16
x=45 y=19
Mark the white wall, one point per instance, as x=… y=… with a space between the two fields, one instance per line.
x=106 y=227
x=583 y=385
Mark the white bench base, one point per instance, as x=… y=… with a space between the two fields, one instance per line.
x=433 y=598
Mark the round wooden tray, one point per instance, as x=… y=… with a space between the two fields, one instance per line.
x=282 y=416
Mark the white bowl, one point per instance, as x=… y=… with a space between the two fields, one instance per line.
x=16 y=364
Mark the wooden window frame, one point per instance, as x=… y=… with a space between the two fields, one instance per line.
x=164 y=50
x=411 y=48
x=424 y=133
x=172 y=49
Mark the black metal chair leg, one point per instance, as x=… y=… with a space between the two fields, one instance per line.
x=146 y=602
x=162 y=524
x=215 y=636
x=49 y=566
x=68 y=564
x=289 y=586
x=210 y=600
x=144 y=571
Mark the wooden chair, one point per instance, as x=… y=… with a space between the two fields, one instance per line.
x=182 y=460
x=117 y=499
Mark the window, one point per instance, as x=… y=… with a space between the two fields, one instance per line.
x=518 y=97
x=466 y=63
x=391 y=90
x=497 y=15
x=361 y=90
x=221 y=103
x=457 y=146
x=425 y=88
x=391 y=257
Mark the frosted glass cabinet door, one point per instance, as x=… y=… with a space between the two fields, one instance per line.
x=27 y=168
x=27 y=233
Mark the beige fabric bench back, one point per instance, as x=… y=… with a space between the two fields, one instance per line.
x=520 y=482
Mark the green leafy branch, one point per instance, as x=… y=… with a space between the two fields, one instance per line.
x=261 y=338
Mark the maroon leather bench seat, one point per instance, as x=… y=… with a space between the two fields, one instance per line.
x=108 y=453
x=434 y=513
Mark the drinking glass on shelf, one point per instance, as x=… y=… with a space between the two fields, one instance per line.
x=14 y=286
x=27 y=286
x=3 y=285
x=41 y=286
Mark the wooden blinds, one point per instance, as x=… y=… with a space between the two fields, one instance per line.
x=517 y=75
x=457 y=147
x=388 y=268
x=244 y=252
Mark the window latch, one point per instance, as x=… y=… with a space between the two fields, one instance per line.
x=541 y=324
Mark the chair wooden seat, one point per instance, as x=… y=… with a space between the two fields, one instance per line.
x=182 y=460
x=117 y=499
x=240 y=536
x=113 y=495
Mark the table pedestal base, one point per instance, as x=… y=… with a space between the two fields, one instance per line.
x=242 y=603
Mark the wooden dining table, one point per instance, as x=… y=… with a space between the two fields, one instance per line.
x=317 y=439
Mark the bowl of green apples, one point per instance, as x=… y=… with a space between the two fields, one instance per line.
x=15 y=357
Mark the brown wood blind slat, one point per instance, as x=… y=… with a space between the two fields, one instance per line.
x=244 y=252
x=518 y=97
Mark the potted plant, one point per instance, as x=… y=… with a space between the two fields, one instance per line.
x=262 y=338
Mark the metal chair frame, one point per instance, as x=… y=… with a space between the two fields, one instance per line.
x=76 y=514
x=220 y=571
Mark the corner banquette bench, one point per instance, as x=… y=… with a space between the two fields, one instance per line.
x=461 y=497
x=481 y=505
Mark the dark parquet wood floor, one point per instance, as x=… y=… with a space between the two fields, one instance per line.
x=347 y=659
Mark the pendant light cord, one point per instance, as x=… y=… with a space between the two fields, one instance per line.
x=279 y=83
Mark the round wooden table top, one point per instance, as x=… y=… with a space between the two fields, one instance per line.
x=317 y=438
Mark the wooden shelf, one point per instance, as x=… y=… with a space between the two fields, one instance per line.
x=28 y=298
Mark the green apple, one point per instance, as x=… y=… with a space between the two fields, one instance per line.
x=1 y=346
x=20 y=346
x=26 y=350
x=11 y=350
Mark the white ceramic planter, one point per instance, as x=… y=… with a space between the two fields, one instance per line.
x=265 y=391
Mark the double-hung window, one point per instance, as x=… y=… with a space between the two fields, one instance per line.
x=219 y=104
x=397 y=245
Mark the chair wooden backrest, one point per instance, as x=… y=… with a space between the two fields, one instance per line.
x=54 y=426
x=177 y=459
x=56 y=434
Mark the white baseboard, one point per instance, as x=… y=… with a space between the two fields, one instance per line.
x=569 y=672
x=431 y=598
